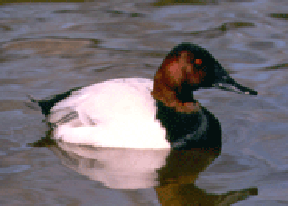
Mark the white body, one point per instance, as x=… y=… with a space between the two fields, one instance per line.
x=114 y=113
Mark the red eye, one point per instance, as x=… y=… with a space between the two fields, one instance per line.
x=198 y=61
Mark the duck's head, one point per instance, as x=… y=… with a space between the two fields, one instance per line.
x=186 y=68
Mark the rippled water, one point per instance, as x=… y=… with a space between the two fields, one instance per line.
x=49 y=48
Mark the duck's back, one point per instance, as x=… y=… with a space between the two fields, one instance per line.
x=114 y=113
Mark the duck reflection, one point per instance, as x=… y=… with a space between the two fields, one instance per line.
x=172 y=173
x=116 y=168
x=177 y=180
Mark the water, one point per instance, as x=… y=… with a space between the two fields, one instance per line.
x=49 y=48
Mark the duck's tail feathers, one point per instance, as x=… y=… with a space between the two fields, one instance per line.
x=33 y=103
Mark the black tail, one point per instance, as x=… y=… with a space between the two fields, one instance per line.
x=33 y=104
x=46 y=104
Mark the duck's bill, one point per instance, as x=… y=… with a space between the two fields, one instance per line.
x=229 y=84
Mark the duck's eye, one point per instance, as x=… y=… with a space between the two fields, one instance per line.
x=198 y=62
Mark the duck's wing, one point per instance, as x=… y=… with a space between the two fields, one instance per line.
x=73 y=108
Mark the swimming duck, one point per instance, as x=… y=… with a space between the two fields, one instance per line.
x=142 y=113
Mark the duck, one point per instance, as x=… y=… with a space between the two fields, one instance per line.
x=142 y=113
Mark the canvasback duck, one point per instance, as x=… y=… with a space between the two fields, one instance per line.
x=141 y=113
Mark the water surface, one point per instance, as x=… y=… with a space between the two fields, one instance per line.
x=48 y=48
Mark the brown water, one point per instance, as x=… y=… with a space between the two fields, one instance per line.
x=49 y=48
